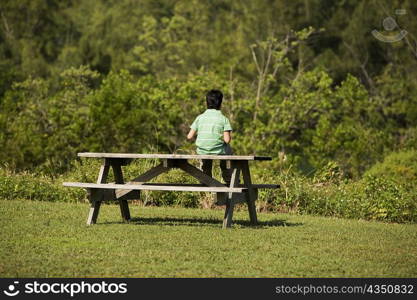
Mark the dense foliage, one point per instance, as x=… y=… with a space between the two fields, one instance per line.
x=284 y=67
x=305 y=82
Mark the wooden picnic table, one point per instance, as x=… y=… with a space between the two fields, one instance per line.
x=123 y=191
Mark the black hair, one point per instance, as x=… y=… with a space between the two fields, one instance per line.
x=214 y=99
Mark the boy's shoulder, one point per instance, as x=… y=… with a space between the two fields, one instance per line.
x=208 y=114
x=199 y=116
x=223 y=115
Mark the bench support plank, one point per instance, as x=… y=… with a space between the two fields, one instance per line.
x=148 y=175
x=106 y=188
x=251 y=194
x=95 y=197
x=124 y=207
x=228 y=213
x=198 y=174
x=95 y=203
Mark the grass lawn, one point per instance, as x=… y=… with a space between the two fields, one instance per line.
x=42 y=239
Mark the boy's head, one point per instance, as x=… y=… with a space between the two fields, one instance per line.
x=214 y=99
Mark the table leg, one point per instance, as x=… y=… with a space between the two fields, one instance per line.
x=251 y=192
x=95 y=196
x=228 y=214
x=124 y=206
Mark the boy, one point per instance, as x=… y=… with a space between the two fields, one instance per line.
x=213 y=134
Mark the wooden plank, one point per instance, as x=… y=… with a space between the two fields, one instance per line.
x=263 y=186
x=95 y=203
x=102 y=178
x=118 y=161
x=172 y=156
x=228 y=213
x=168 y=163
x=255 y=186
x=148 y=175
x=103 y=173
x=174 y=184
x=124 y=206
x=198 y=174
x=251 y=192
x=95 y=197
x=220 y=198
x=109 y=186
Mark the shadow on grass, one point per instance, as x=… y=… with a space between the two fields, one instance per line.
x=170 y=221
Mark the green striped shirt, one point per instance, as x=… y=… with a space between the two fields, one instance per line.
x=210 y=126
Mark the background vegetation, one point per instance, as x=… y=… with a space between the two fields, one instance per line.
x=304 y=81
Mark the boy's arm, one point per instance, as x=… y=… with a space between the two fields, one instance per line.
x=227 y=131
x=191 y=134
x=227 y=136
x=193 y=129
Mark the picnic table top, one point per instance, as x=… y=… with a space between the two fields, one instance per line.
x=172 y=156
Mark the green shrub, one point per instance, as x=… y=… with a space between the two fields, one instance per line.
x=288 y=197
x=400 y=167
x=35 y=187
x=85 y=170
x=328 y=194
x=385 y=199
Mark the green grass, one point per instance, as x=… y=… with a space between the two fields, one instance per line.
x=43 y=239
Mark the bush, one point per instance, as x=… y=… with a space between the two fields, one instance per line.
x=400 y=167
x=328 y=194
x=35 y=187
x=386 y=200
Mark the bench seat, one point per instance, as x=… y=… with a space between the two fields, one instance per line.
x=255 y=186
x=151 y=187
